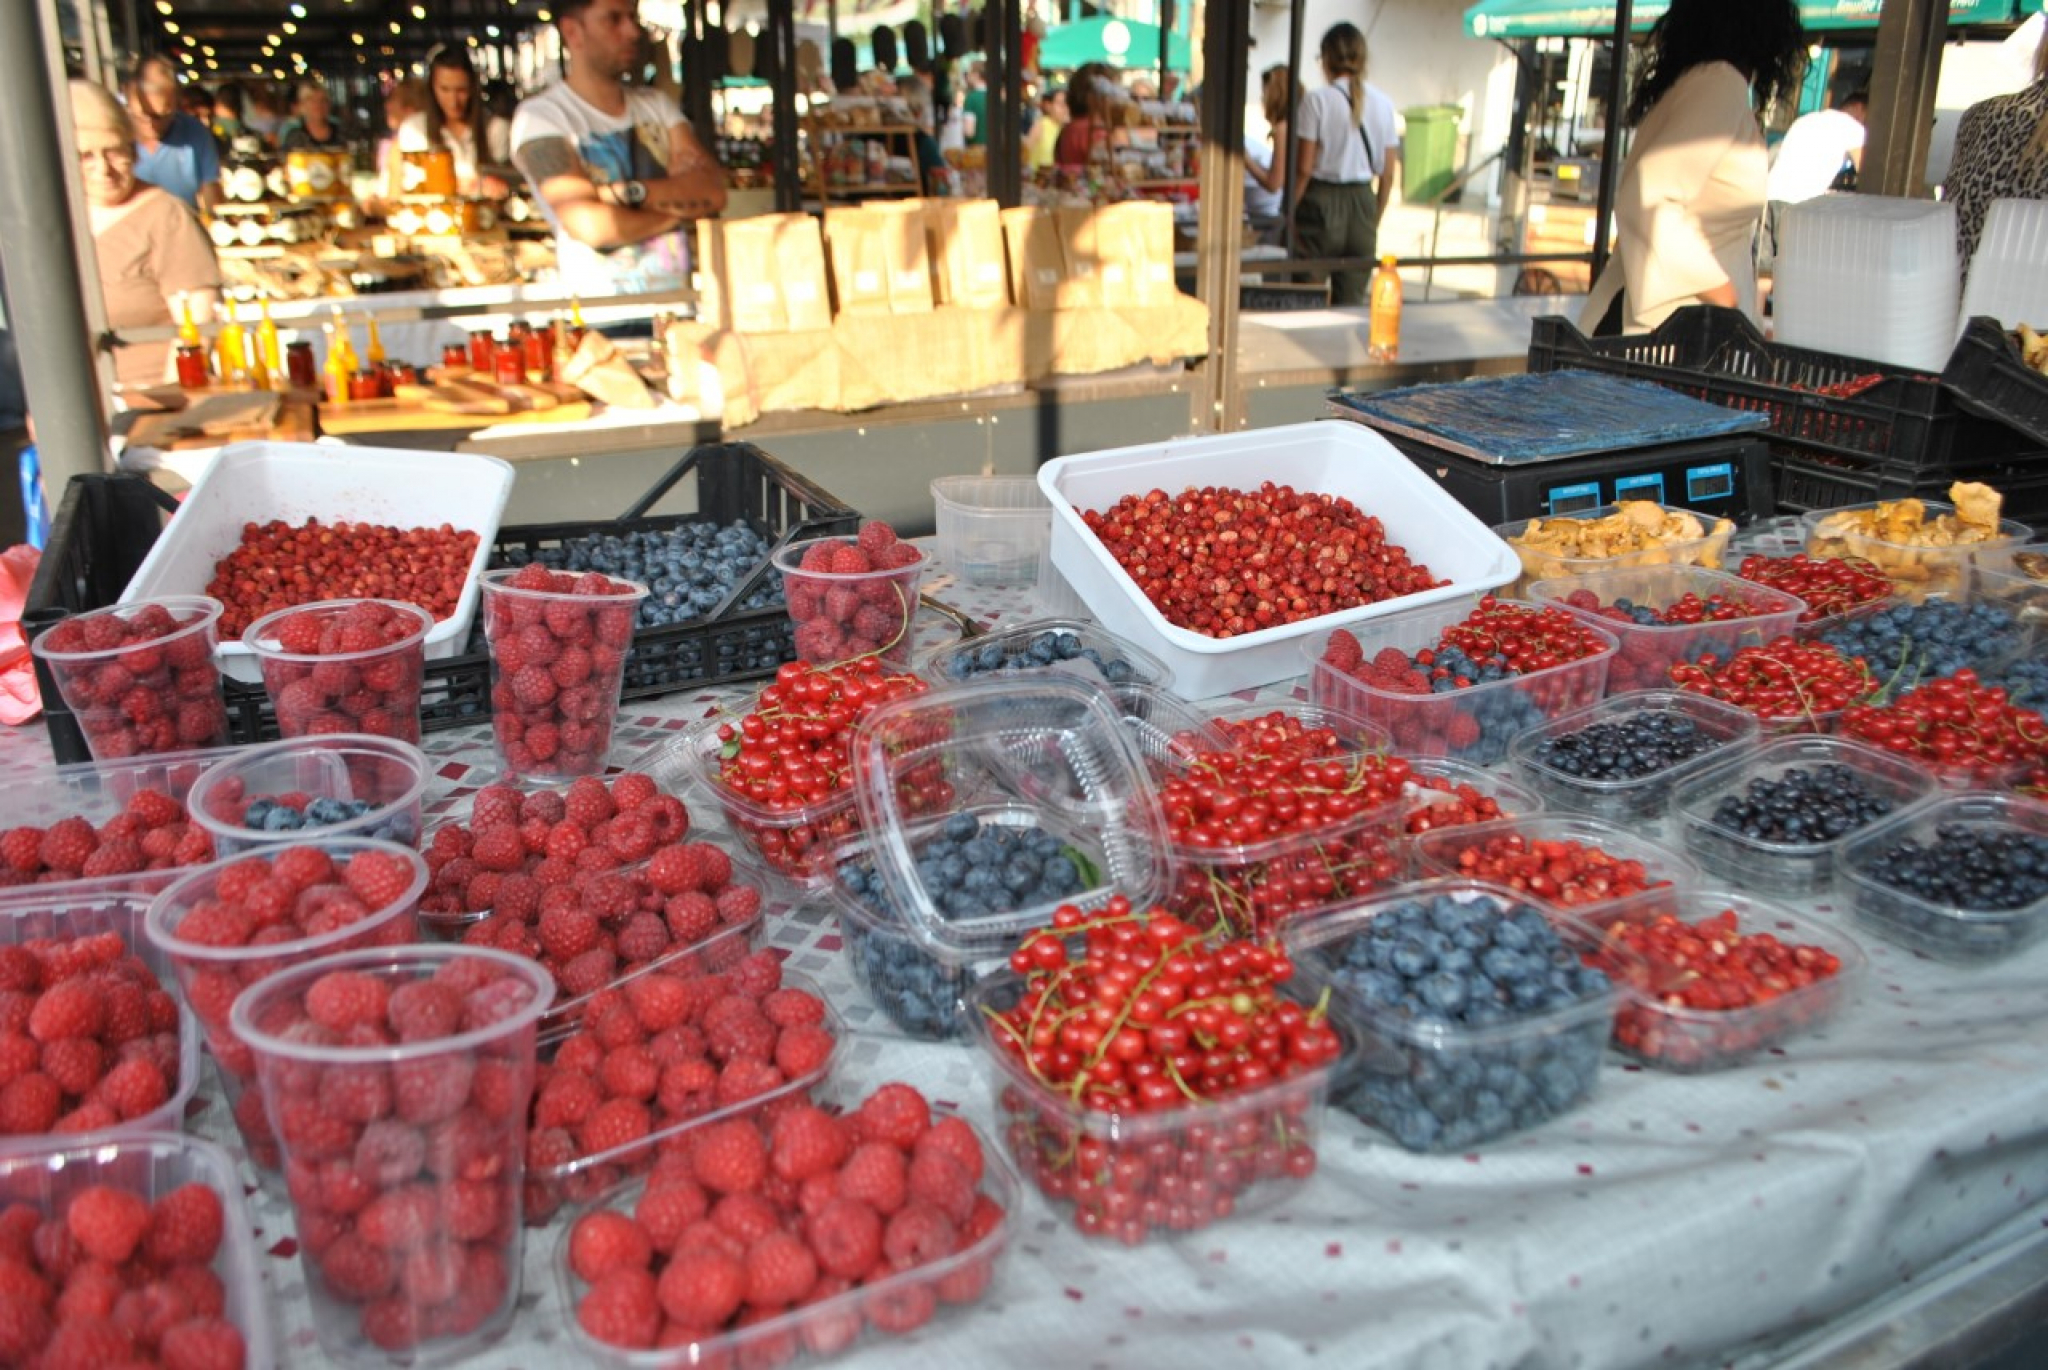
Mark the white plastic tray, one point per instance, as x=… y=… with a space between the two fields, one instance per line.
x=254 y=482
x=1330 y=458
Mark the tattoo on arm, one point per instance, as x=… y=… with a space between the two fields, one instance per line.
x=543 y=159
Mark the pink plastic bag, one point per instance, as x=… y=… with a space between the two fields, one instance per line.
x=19 y=701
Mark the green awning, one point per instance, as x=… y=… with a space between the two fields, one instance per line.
x=1566 y=19
x=1117 y=42
x=1553 y=18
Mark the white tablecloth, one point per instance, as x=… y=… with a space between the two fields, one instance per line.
x=1671 y=1221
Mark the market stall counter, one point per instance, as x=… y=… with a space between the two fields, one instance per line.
x=1673 y=1218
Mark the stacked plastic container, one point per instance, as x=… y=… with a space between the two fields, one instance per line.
x=2006 y=281
x=1869 y=276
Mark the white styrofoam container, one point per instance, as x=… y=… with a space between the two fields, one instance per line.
x=255 y=482
x=1868 y=276
x=2006 y=279
x=1331 y=457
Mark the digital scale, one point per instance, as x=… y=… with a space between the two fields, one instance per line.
x=1517 y=447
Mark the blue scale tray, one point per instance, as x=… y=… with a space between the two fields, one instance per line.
x=1515 y=420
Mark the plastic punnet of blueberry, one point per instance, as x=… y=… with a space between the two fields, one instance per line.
x=1483 y=1019
x=1803 y=805
x=1054 y=649
x=1968 y=867
x=1626 y=749
x=970 y=869
x=1918 y=642
x=688 y=570
x=267 y=814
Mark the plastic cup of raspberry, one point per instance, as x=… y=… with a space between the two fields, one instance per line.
x=559 y=642
x=139 y=677
x=850 y=600
x=225 y=926
x=305 y=789
x=398 y=1081
x=344 y=666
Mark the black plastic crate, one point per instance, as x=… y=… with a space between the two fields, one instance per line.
x=1805 y=485
x=105 y=526
x=1988 y=377
x=1895 y=417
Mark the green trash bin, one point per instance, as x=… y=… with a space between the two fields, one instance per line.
x=1429 y=152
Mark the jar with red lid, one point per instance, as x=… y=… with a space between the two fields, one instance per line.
x=483 y=350
x=192 y=372
x=455 y=355
x=511 y=366
x=539 y=356
x=300 y=366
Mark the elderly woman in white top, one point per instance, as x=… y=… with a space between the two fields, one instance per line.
x=1693 y=187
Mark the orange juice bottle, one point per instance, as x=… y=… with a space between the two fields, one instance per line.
x=1383 y=341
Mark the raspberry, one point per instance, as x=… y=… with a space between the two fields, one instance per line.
x=74 y=1063
x=623 y=1309
x=345 y=999
x=644 y=938
x=86 y=1343
x=629 y=1072
x=301 y=868
x=22 y=849
x=202 y=1344
x=780 y=1270
x=588 y=802
x=356 y=1270
x=846 y=1234
x=421 y=1010
x=737 y=904
x=675 y=870
x=758 y=975
x=75 y=1008
x=67 y=844
x=614 y=1123
x=566 y=934
x=665 y=1211
x=896 y=1113
x=952 y=1137
x=877 y=1175
x=918 y=1235
x=659 y=1002
x=902 y=1309
x=29 y=1104
x=604 y=1241
x=498 y=848
x=107 y=1223
x=431 y=1088
x=134 y=1088
x=806 y=1141
x=849 y=560
x=876 y=537
x=802 y=1051
x=1343 y=651
x=937 y=1179
x=24 y=1328
x=793 y=1008
x=378 y=878
x=702 y=1287
x=729 y=1157
x=692 y=916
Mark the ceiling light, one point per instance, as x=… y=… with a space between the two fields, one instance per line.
x=356 y=38
x=490 y=30
x=170 y=26
x=163 y=6
x=289 y=27
x=419 y=11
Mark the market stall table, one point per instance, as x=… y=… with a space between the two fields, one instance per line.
x=1672 y=1219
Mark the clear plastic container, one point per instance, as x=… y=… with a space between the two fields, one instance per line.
x=920 y=994
x=211 y=978
x=350 y=767
x=1167 y=730
x=796 y=843
x=840 y=615
x=1645 y=798
x=1472 y=725
x=1916 y=572
x=1679 y=1037
x=161 y=695
x=875 y=1312
x=26 y=917
x=1252 y=1150
x=1444 y=1086
x=1425 y=807
x=1355 y=733
x=992 y=530
x=583 y=1178
x=2028 y=562
x=1787 y=869
x=46 y=1174
x=544 y=730
x=1649 y=650
x=712 y=955
x=456 y=1197
x=1945 y=932
x=2002 y=580
x=374 y=691
x=986 y=657
x=1442 y=853
x=1041 y=752
x=1781 y=536
x=97 y=791
x=1706 y=550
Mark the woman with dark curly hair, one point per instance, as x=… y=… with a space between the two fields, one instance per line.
x=1694 y=184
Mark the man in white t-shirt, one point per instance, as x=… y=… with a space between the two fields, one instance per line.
x=1814 y=150
x=619 y=173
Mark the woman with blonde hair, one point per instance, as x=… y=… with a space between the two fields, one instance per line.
x=2001 y=154
x=1348 y=139
x=1265 y=168
x=150 y=249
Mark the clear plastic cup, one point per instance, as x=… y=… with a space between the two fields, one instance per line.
x=840 y=615
x=375 y=690
x=161 y=694
x=404 y=1139
x=236 y=800
x=557 y=663
x=212 y=977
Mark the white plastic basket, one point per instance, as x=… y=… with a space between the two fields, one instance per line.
x=1330 y=458
x=256 y=482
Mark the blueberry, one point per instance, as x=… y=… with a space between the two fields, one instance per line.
x=1630 y=748
x=1802 y=805
x=1036 y=653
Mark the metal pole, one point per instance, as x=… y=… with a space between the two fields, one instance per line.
x=1165 y=43
x=1297 y=20
x=781 y=35
x=1610 y=143
x=1226 y=48
x=1910 y=35
x=1003 y=38
x=46 y=290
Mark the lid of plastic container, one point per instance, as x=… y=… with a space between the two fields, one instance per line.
x=1037 y=781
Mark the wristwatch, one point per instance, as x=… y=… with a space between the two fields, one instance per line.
x=632 y=194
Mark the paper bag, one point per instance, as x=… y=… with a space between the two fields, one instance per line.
x=907 y=254
x=1135 y=240
x=857 y=244
x=966 y=240
x=1081 y=286
x=1031 y=238
x=738 y=285
x=800 y=260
